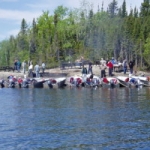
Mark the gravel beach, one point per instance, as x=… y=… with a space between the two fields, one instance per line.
x=67 y=71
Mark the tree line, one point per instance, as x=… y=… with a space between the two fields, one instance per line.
x=70 y=33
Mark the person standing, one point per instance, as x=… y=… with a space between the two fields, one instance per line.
x=102 y=61
x=15 y=65
x=30 y=73
x=84 y=73
x=43 y=67
x=90 y=71
x=110 y=68
x=125 y=66
x=37 y=70
x=18 y=65
x=24 y=66
x=102 y=68
x=131 y=65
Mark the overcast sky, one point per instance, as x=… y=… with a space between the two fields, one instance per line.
x=13 y=11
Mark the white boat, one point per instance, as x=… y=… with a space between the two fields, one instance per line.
x=140 y=80
x=49 y=82
x=123 y=81
x=59 y=82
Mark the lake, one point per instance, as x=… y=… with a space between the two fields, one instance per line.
x=42 y=119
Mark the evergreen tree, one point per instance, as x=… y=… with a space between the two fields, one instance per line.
x=124 y=11
x=113 y=8
x=145 y=8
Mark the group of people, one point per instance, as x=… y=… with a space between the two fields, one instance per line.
x=86 y=71
x=125 y=65
x=110 y=65
x=32 y=70
x=35 y=71
x=17 y=65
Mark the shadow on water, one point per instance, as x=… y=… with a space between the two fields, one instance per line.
x=77 y=118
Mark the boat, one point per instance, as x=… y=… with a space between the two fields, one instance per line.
x=59 y=82
x=144 y=81
x=135 y=82
x=110 y=82
x=123 y=81
x=38 y=82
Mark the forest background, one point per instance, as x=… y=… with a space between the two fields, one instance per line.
x=69 y=34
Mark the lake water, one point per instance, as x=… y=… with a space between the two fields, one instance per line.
x=43 y=119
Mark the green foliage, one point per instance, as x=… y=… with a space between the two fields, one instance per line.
x=146 y=53
x=68 y=34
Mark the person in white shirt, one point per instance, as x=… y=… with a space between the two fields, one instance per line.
x=43 y=67
x=24 y=67
x=30 y=73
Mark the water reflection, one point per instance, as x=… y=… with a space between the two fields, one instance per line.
x=74 y=118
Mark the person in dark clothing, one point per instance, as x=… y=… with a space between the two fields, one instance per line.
x=90 y=71
x=18 y=65
x=131 y=65
x=15 y=65
x=84 y=71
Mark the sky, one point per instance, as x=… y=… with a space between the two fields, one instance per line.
x=13 y=11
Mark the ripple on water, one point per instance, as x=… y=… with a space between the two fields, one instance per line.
x=74 y=118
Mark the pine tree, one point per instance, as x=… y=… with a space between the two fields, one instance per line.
x=124 y=11
x=145 y=8
x=113 y=9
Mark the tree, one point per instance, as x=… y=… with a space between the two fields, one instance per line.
x=145 y=8
x=113 y=8
x=124 y=10
x=146 y=53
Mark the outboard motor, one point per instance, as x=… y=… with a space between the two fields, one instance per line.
x=25 y=84
x=20 y=82
x=49 y=84
x=88 y=81
x=95 y=82
x=2 y=83
x=134 y=82
x=11 y=83
x=72 y=80
x=113 y=82
x=78 y=82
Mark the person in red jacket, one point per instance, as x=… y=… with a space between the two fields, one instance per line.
x=110 y=67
